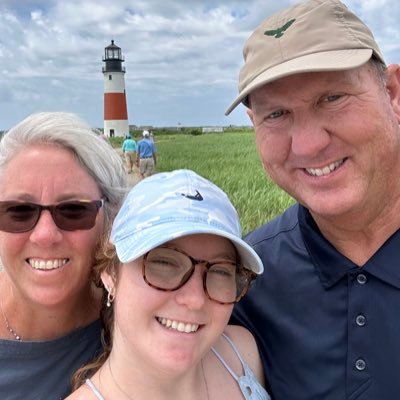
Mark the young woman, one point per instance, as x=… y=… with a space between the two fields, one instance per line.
x=176 y=268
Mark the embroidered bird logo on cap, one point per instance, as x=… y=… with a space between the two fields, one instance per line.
x=196 y=196
x=277 y=33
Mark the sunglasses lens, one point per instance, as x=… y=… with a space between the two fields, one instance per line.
x=75 y=215
x=18 y=217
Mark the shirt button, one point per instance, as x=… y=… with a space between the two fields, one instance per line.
x=360 y=364
x=361 y=279
x=361 y=320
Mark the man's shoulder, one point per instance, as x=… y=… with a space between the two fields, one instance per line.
x=283 y=224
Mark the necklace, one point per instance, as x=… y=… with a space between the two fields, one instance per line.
x=116 y=383
x=204 y=378
x=11 y=330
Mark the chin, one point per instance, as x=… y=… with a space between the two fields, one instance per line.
x=337 y=210
x=176 y=365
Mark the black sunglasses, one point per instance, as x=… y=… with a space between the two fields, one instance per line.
x=17 y=217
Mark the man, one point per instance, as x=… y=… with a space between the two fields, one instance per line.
x=147 y=157
x=326 y=111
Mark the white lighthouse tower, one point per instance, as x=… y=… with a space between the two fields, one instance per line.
x=115 y=110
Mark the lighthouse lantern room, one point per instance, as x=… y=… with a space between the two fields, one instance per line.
x=115 y=110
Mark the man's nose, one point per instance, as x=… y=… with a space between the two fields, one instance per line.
x=308 y=136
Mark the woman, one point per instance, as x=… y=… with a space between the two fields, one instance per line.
x=179 y=267
x=60 y=190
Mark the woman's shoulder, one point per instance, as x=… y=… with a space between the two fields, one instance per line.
x=239 y=333
x=82 y=393
x=243 y=340
x=246 y=346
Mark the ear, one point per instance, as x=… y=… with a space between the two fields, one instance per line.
x=108 y=281
x=251 y=115
x=393 y=87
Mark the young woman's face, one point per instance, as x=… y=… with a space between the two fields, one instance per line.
x=170 y=330
x=47 y=265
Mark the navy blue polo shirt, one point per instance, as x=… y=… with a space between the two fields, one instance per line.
x=326 y=328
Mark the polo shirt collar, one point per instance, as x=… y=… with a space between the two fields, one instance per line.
x=384 y=264
x=331 y=266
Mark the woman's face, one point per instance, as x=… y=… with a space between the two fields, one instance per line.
x=46 y=265
x=170 y=330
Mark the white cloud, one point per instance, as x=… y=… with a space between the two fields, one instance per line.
x=182 y=57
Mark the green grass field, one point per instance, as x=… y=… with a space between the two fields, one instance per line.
x=231 y=161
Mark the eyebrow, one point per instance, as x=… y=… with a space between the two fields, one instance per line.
x=225 y=255
x=27 y=197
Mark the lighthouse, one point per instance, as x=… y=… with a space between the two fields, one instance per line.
x=115 y=110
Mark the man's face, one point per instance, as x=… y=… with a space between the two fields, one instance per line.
x=330 y=139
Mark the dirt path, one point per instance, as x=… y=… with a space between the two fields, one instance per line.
x=133 y=177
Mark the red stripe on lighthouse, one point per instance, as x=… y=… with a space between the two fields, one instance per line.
x=115 y=106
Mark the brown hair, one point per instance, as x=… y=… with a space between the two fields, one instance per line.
x=105 y=260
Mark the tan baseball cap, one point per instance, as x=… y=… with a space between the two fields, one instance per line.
x=316 y=35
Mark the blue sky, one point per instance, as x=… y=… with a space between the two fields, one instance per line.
x=182 y=57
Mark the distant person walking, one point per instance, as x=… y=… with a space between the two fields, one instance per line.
x=129 y=150
x=152 y=136
x=147 y=158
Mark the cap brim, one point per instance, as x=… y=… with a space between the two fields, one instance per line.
x=151 y=237
x=337 y=60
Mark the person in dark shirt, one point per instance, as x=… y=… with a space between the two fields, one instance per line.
x=326 y=113
x=61 y=187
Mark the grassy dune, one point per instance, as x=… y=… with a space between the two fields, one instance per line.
x=231 y=161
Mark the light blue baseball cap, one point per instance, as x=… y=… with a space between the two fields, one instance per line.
x=169 y=205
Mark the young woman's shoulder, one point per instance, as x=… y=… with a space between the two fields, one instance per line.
x=246 y=346
x=82 y=393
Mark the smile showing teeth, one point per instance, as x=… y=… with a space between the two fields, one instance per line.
x=177 y=325
x=47 y=264
x=325 y=170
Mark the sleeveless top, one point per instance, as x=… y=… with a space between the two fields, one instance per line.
x=94 y=389
x=248 y=383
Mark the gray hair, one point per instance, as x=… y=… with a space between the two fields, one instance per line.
x=380 y=71
x=68 y=131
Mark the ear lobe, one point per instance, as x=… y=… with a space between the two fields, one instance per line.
x=393 y=87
